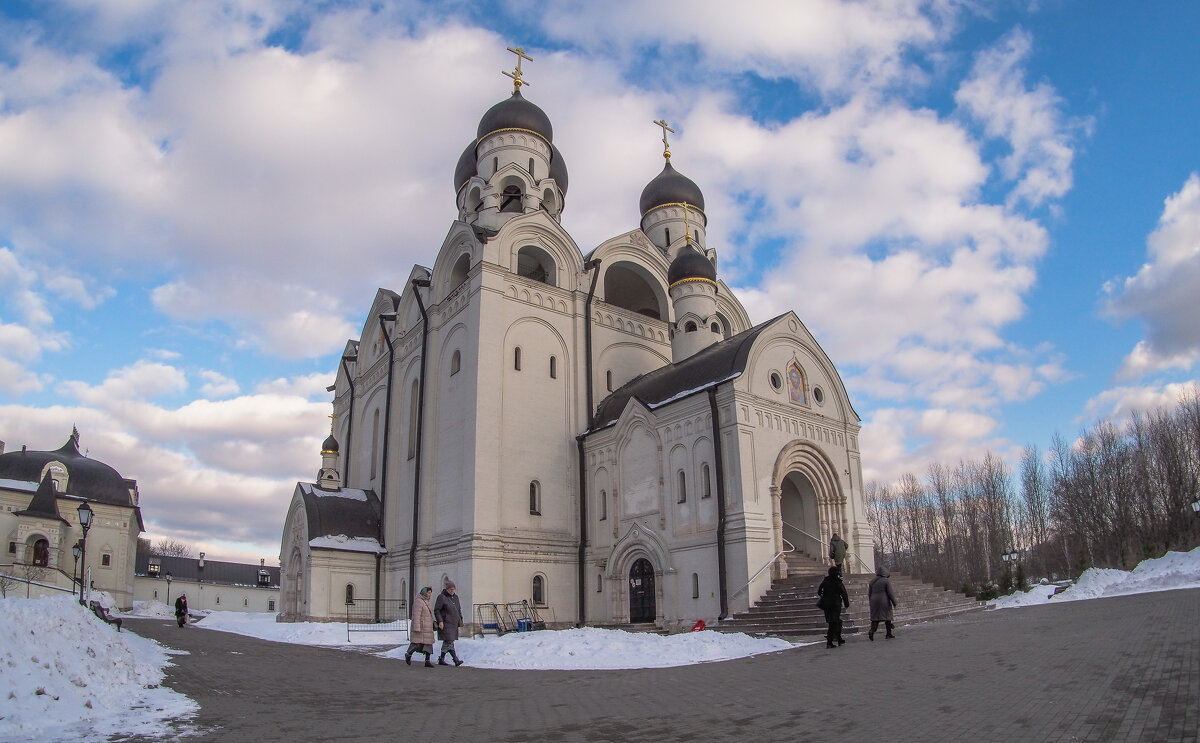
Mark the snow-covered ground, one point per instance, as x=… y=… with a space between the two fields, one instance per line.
x=67 y=676
x=1171 y=571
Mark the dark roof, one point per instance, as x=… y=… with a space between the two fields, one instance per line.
x=671 y=187
x=466 y=168
x=86 y=478
x=718 y=363
x=516 y=113
x=214 y=571
x=330 y=444
x=558 y=169
x=347 y=511
x=690 y=264
x=45 y=502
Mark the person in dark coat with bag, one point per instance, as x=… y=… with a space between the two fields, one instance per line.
x=448 y=614
x=879 y=593
x=833 y=597
x=181 y=610
x=420 y=628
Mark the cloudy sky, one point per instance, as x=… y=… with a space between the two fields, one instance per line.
x=987 y=212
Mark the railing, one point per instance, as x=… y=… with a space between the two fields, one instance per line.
x=821 y=545
x=361 y=616
x=788 y=548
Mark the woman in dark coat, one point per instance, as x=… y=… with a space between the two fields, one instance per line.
x=448 y=614
x=420 y=628
x=879 y=593
x=833 y=597
x=181 y=610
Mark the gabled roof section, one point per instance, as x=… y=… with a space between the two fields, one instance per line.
x=45 y=502
x=348 y=513
x=712 y=366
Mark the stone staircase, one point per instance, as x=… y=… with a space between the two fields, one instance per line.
x=789 y=607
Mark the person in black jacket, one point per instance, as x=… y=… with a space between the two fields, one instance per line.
x=448 y=613
x=181 y=610
x=833 y=597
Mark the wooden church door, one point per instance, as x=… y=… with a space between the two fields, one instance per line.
x=641 y=592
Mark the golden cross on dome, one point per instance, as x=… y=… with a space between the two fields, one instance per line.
x=666 y=145
x=516 y=74
x=332 y=418
x=687 y=227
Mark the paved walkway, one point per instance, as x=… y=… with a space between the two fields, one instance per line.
x=1078 y=671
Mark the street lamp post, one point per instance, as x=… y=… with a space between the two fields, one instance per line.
x=75 y=550
x=168 y=589
x=1010 y=558
x=85 y=522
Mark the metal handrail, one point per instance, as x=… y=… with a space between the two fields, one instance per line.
x=819 y=542
x=764 y=567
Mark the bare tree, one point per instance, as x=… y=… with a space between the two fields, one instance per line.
x=172 y=548
x=7 y=583
x=31 y=573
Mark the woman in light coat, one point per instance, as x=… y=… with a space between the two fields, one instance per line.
x=420 y=628
x=879 y=592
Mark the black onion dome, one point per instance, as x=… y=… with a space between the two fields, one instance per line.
x=86 y=478
x=671 y=187
x=330 y=444
x=689 y=264
x=558 y=169
x=516 y=113
x=466 y=168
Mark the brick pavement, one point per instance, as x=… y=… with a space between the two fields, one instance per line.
x=1077 y=671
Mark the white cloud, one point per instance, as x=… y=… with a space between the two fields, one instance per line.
x=1163 y=293
x=217 y=384
x=143 y=380
x=1030 y=120
x=1119 y=403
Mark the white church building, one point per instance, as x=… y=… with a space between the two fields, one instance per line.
x=603 y=433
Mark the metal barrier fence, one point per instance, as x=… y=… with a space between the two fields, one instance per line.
x=376 y=615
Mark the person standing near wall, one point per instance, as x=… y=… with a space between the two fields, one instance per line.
x=837 y=550
x=181 y=609
x=879 y=593
x=833 y=597
x=420 y=628
x=448 y=613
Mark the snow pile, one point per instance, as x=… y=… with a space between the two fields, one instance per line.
x=592 y=648
x=1173 y=570
x=263 y=626
x=154 y=609
x=69 y=676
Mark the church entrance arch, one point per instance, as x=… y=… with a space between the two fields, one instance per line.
x=798 y=507
x=291 y=591
x=642 y=608
x=808 y=497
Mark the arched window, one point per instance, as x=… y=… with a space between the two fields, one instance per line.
x=682 y=479
x=695 y=585
x=374 y=443
x=458 y=273
x=510 y=199
x=41 y=553
x=539 y=591
x=553 y=368
x=531 y=175
x=705 y=482
x=668 y=236
x=517 y=358
x=715 y=328
x=537 y=264
x=689 y=327
x=349 y=594
x=413 y=413
x=608 y=380
x=535 y=498
x=599 y=582
x=495 y=164
x=603 y=505
x=455 y=363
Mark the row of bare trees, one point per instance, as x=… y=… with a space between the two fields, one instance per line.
x=1116 y=496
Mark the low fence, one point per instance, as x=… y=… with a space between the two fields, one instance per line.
x=376 y=615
